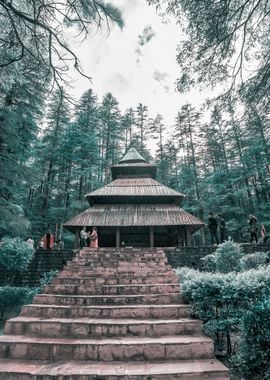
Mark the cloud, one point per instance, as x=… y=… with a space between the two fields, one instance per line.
x=118 y=81
x=163 y=79
x=159 y=76
x=146 y=36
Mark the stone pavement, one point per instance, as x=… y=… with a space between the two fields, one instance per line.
x=110 y=314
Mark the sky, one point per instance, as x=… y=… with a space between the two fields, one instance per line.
x=136 y=64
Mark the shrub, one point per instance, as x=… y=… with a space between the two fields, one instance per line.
x=48 y=277
x=225 y=259
x=12 y=298
x=209 y=262
x=253 y=260
x=15 y=254
x=253 y=360
x=221 y=300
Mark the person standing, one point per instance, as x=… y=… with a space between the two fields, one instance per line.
x=213 y=226
x=93 y=238
x=253 y=228
x=222 y=228
x=48 y=241
x=83 y=237
x=31 y=242
x=60 y=245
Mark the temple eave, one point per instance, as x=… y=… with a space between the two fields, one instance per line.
x=134 y=215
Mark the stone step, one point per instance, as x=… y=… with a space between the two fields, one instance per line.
x=108 y=274
x=100 y=328
x=117 y=260
x=113 y=349
x=113 y=259
x=169 y=370
x=130 y=268
x=156 y=299
x=88 y=281
x=112 y=289
x=126 y=253
x=135 y=311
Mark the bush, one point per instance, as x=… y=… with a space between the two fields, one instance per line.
x=209 y=262
x=12 y=298
x=253 y=360
x=253 y=260
x=221 y=300
x=15 y=254
x=48 y=277
x=225 y=259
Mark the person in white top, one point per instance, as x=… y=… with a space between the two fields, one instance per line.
x=83 y=237
x=31 y=242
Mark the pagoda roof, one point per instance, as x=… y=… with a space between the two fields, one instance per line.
x=134 y=187
x=134 y=215
x=133 y=164
x=132 y=155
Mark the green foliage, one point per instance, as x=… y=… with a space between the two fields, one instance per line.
x=15 y=254
x=12 y=298
x=220 y=42
x=225 y=259
x=41 y=35
x=48 y=277
x=227 y=304
x=254 y=260
x=13 y=220
x=209 y=262
x=253 y=359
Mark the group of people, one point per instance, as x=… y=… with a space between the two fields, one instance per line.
x=217 y=224
x=49 y=242
x=89 y=238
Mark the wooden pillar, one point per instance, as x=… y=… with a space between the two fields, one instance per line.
x=117 y=237
x=179 y=237
x=77 y=238
x=188 y=237
x=203 y=235
x=152 y=238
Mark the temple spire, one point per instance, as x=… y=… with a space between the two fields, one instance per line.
x=132 y=155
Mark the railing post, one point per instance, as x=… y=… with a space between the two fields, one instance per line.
x=152 y=238
x=117 y=237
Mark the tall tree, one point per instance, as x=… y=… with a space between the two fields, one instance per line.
x=142 y=123
x=157 y=132
x=186 y=127
x=128 y=125
x=51 y=155
x=110 y=132
x=85 y=142
x=21 y=106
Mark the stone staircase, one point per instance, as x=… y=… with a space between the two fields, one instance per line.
x=110 y=314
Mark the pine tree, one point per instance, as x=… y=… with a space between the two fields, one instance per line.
x=110 y=134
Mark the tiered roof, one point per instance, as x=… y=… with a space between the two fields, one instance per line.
x=134 y=198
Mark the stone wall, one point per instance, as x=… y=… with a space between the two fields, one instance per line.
x=43 y=261
x=191 y=256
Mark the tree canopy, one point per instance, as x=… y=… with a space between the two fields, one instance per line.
x=223 y=41
x=36 y=31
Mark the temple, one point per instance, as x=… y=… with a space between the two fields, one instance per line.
x=135 y=210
